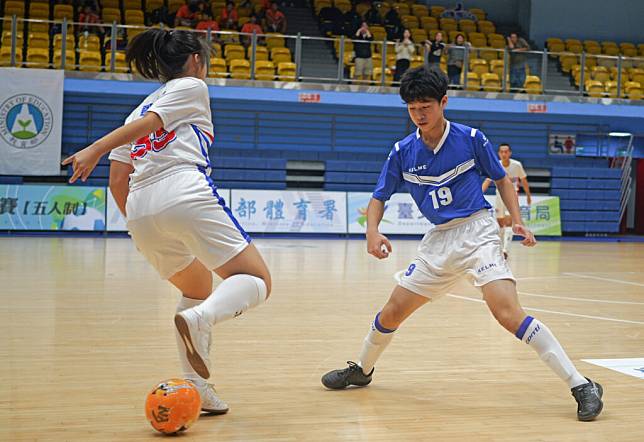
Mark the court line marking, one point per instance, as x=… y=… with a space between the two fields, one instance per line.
x=581 y=275
x=576 y=315
x=603 y=301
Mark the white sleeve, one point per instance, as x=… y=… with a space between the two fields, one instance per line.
x=520 y=171
x=121 y=154
x=181 y=102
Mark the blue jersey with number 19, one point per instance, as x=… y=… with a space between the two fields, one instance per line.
x=445 y=183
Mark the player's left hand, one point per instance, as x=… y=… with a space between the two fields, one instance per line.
x=529 y=200
x=528 y=236
x=83 y=163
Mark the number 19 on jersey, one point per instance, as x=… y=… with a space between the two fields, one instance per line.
x=441 y=197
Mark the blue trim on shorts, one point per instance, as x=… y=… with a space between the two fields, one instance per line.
x=222 y=203
x=200 y=137
x=379 y=327
x=523 y=327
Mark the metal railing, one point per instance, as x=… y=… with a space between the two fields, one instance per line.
x=480 y=68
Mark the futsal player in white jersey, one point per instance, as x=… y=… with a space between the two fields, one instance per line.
x=514 y=171
x=441 y=164
x=174 y=213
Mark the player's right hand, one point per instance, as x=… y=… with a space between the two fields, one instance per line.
x=378 y=245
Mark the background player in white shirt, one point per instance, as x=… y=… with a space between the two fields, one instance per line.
x=174 y=214
x=516 y=173
x=440 y=164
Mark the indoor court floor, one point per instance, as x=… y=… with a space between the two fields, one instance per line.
x=86 y=331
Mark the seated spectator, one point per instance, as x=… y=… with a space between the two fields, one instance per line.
x=249 y=28
x=90 y=16
x=205 y=22
x=226 y=38
x=405 y=50
x=352 y=21
x=160 y=15
x=373 y=16
x=187 y=14
x=435 y=49
x=229 y=16
x=275 y=20
x=331 y=20
x=393 y=24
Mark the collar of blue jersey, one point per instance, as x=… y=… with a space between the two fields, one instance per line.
x=443 y=138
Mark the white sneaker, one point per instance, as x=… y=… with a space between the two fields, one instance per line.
x=195 y=333
x=210 y=402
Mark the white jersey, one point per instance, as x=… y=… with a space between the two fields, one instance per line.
x=515 y=172
x=183 y=104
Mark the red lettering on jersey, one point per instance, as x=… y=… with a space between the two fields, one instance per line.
x=156 y=141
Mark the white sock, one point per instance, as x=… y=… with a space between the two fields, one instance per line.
x=540 y=338
x=374 y=344
x=232 y=297
x=186 y=369
x=508 y=234
x=502 y=237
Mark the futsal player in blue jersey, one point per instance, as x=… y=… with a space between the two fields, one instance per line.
x=441 y=165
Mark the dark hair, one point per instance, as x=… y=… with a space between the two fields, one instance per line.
x=458 y=35
x=162 y=55
x=423 y=84
x=505 y=144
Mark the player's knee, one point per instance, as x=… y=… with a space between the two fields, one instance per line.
x=508 y=317
x=391 y=316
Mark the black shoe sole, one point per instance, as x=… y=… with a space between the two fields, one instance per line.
x=600 y=390
x=195 y=360
x=214 y=412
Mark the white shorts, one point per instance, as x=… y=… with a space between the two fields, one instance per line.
x=181 y=217
x=467 y=247
x=499 y=208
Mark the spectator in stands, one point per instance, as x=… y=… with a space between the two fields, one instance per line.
x=517 y=46
x=405 y=50
x=160 y=15
x=330 y=20
x=373 y=16
x=362 y=49
x=187 y=14
x=249 y=28
x=205 y=22
x=393 y=24
x=352 y=21
x=455 y=59
x=229 y=16
x=275 y=20
x=434 y=50
x=90 y=16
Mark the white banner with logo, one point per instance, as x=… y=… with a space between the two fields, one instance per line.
x=401 y=215
x=291 y=211
x=31 y=115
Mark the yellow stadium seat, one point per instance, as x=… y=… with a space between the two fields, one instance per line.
x=555 y=45
x=348 y=46
x=5 y=56
x=488 y=54
x=89 y=42
x=132 y=4
x=496 y=66
x=63 y=11
x=233 y=52
x=448 y=24
x=134 y=17
x=89 y=61
x=14 y=8
x=38 y=40
x=174 y=5
x=637 y=74
x=69 y=44
x=408 y=21
x=261 y=53
x=573 y=45
x=595 y=88
x=6 y=39
x=600 y=73
x=240 y=69
x=111 y=15
x=218 y=68
x=490 y=82
x=112 y=3
x=436 y=11
x=264 y=70
x=473 y=81
x=466 y=25
x=590 y=61
x=486 y=27
x=576 y=74
x=592 y=47
x=477 y=39
x=479 y=13
x=419 y=35
x=533 y=85
x=37 y=58
x=606 y=61
x=633 y=90
x=420 y=11
x=286 y=71
x=274 y=40
x=343 y=5
x=568 y=60
x=377 y=76
x=610 y=48
x=611 y=88
x=403 y=8
x=628 y=49
x=451 y=35
x=39 y=10
x=151 y=5
x=479 y=66
x=70 y=59
x=429 y=23
x=379 y=33
x=416 y=61
x=320 y=4
x=283 y=55
x=119 y=62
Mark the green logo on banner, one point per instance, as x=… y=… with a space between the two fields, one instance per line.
x=25 y=121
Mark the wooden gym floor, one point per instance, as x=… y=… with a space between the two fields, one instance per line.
x=86 y=331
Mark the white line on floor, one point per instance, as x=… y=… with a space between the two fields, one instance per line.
x=603 y=301
x=621 y=281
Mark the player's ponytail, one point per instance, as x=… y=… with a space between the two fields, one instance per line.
x=162 y=55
